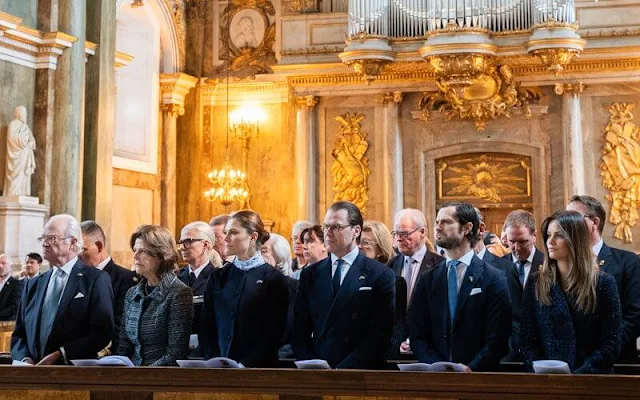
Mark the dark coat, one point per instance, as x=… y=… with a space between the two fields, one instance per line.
x=156 y=328
x=244 y=315
x=199 y=286
x=10 y=299
x=588 y=342
x=352 y=331
x=482 y=324
x=624 y=266
x=429 y=261
x=292 y=284
x=121 y=280
x=83 y=325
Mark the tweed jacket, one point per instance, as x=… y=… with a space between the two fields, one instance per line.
x=155 y=329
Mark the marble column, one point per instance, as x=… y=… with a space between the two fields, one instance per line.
x=67 y=140
x=574 y=170
x=99 y=126
x=392 y=182
x=306 y=158
x=174 y=88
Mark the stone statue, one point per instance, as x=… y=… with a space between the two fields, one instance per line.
x=21 y=160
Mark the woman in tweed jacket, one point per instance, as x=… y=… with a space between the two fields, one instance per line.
x=158 y=312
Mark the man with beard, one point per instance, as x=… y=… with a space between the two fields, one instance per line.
x=461 y=310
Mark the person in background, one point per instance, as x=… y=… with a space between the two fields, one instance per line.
x=10 y=291
x=571 y=309
x=33 y=263
x=94 y=254
x=245 y=307
x=158 y=311
x=218 y=224
x=313 y=247
x=376 y=243
x=299 y=261
x=494 y=245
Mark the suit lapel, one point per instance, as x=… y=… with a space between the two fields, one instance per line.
x=69 y=291
x=605 y=258
x=397 y=264
x=470 y=278
x=538 y=259
x=349 y=287
x=202 y=278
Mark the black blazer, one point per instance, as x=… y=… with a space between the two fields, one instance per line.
x=244 y=315
x=482 y=325
x=516 y=289
x=399 y=333
x=624 y=266
x=352 y=331
x=429 y=261
x=121 y=280
x=199 y=286
x=10 y=298
x=83 y=325
x=588 y=342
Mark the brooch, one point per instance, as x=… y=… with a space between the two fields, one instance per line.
x=362 y=277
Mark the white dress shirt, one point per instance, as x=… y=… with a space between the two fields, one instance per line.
x=527 y=265
x=597 y=247
x=67 y=269
x=198 y=270
x=411 y=268
x=103 y=263
x=348 y=261
x=461 y=268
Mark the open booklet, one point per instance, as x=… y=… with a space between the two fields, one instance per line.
x=312 y=364
x=441 y=366
x=217 y=362
x=118 y=361
x=551 y=367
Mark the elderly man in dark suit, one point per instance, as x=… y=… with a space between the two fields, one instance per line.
x=623 y=265
x=66 y=313
x=10 y=291
x=413 y=259
x=94 y=254
x=520 y=228
x=461 y=310
x=344 y=311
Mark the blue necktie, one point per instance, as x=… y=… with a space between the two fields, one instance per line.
x=335 y=282
x=50 y=308
x=453 y=288
x=520 y=265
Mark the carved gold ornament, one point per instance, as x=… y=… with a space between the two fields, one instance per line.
x=620 y=169
x=486 y=178
x=350 y=168
x=298 y=6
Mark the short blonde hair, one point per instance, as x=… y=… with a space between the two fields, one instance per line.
x=158 y=242
x=282 y=253
x=382 y=237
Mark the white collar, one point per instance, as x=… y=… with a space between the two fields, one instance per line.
x=529 y=259
x=104 y=263
x=481 y=253
x=418 y=255
x=465 y=259
x=598 y=247
x=348 y=258
x=198 y=270
x=68 y=266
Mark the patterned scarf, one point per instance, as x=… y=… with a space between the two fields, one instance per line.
x=249 y=264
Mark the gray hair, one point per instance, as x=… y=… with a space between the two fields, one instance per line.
x=299 y=226
x=72 y=229
x=203 y=229
x=221 y=219
x=281 y=252
x=415 y=215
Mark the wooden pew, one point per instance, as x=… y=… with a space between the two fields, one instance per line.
x=269 y=384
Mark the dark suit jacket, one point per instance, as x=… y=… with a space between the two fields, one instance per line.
x=10 y=299
x=198 y=288
x=429 y=261
x=121 y=280
x=588 y=342
x=352 y=331
x=482 y=324
x=399 y=333
x=83 y=325
x=625 y=268
x=293 y=290
x=244 y=315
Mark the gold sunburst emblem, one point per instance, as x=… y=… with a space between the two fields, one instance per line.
x=484 y=179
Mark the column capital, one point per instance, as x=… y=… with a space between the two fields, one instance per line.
x=174 y=87
x=389 y=97
x=173 y=108
x=306 y=103
x=569 y=88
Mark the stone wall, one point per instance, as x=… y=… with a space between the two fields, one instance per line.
x=25 y=9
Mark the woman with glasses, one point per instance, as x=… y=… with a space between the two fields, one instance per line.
x=571 y=310
x=158 y=312
x=246 y=302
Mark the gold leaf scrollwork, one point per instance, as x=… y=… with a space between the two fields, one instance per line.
x=350 y=168
x=620 y=169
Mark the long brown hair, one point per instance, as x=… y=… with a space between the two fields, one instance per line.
x=580 y=284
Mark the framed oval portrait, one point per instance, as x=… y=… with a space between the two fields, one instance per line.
x=247 y=28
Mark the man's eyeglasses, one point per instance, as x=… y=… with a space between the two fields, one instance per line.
x=403 y=234
x=51 y=240
x=186 y=243
x=334 y=227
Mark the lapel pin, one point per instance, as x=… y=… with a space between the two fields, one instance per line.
x=135 y=280
x=601 y=262
x=362 y=277
x=471 y=279
x=79 y=274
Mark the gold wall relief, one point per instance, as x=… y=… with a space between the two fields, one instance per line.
x=620 y=169
x=247 y=36
x=350 y=168
x=485 y=179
